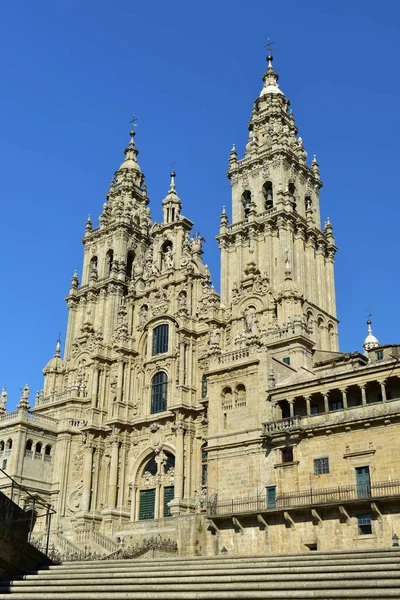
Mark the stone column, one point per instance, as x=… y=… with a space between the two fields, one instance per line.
x=326 y=402
x=87 y=477
x=133 y=502
x=383 y=390
x=95 y=386
x=308 y=405
x=344 y=397
x=291 y=407
x=363 y=393
x=120 y=380
x=179 y=432
x=113 y=481
x=181 y=362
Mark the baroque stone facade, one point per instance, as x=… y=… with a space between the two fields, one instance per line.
x=212 y=420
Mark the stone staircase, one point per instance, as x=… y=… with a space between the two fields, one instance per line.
x=354 y=574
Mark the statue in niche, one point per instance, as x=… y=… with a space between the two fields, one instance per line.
x=143 y=315
x=169 y=259
x=182 y=301
x=214 y=337
x=250 y=317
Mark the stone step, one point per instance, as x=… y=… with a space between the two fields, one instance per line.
x=321 y=576
x=306 y=594
x=356 y=554
x=238 y=580
x=221 y=572
x=138 y=566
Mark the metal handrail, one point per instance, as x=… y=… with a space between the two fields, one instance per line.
x=308 y=497
x=49 y=510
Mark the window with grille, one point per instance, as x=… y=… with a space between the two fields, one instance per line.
x=160 y=339
x=321 y=465
x=204 y=466
x=147 y=503
x=364 y=524
x=159 y=388
x=168 y=496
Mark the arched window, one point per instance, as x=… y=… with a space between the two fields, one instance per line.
x=38 y=450
x=268 y=195
x=150 y=467
x=227 y=398
x=93 y=266
x=2 y=446
x=109 y=261
x=9 y=444
x=130 y=257
x=169 y=462
x=246 y=201
x=292 y=191
x=160 y=339
x=159 y=389
x=240 y=395
x=29 y=444
x=47 y=451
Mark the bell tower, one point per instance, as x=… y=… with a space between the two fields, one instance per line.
x=275 y=236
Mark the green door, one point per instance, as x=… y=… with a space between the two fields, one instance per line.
x=146 y=506
x=363 y=482
x=168 y=496
x=271 y=496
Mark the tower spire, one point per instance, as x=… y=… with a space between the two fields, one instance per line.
x=171 y=204
x=270 y=77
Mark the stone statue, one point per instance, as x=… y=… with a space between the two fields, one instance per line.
x=169 y=259
x=250 y=317
x=214 y=337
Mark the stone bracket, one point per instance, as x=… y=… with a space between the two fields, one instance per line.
x=376 y=511
x=212 y=525
x=289 y=521
x=344 y=515
x=316 y=517
x=237 y=525
x=263 y=523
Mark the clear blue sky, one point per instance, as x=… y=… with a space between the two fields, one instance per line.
x=73 y=73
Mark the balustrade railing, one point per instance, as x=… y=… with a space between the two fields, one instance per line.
x=282 y=425
x=309 y=497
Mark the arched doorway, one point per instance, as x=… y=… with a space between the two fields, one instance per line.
x=155 y=486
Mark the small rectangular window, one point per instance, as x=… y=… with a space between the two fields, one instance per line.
x=4 y=466
x=364 y=524
x=271 y=496
x=321 y=465
x=379 y=355
x=287 y=454
x=286 y=360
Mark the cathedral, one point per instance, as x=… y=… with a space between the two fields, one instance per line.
x=224 y=422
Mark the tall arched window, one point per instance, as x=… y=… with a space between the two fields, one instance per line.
x=160 y=339
x=93 y=267
x=130 y=257
x=246 y=201
x=292 y=192
x=159 y=389
x=109 y=261
x=268 y=195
